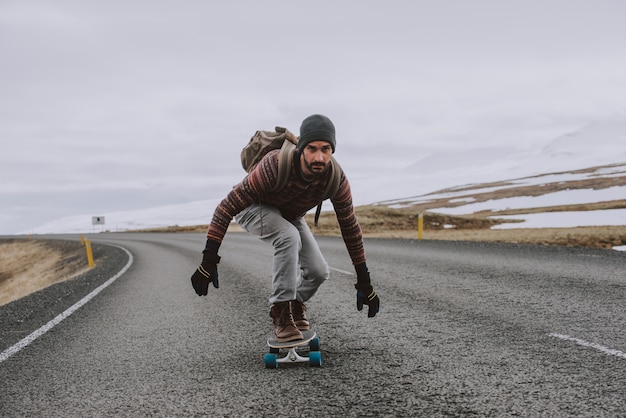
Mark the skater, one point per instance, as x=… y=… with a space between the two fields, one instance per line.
x=299 y=268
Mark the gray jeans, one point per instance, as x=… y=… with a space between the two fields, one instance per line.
x=299 y=268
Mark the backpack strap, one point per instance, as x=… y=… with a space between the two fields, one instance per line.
x=285 y=158
x=318 y=211
x=333 y=184
x=332 y=187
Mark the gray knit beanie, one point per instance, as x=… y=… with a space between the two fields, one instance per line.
x=316 y=128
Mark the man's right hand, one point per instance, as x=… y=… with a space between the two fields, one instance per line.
x=205 y=274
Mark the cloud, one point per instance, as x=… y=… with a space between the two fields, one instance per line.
x=161 y=95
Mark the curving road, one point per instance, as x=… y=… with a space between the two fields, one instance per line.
x=464 y=329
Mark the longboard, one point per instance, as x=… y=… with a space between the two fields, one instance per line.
x=275 y=357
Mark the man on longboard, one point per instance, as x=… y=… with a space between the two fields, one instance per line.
x=277 y=217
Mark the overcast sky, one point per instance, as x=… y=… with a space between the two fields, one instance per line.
x=116 y=105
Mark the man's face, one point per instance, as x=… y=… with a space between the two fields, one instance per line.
x=315 y=157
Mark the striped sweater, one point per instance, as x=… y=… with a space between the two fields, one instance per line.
x=294 y=201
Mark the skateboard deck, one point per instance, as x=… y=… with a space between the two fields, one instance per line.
x=277 y=354
x=306 y=337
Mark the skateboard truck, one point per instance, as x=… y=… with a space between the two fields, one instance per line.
x=273 y=359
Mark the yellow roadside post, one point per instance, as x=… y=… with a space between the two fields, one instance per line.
x=420 y=226
x=89 y=253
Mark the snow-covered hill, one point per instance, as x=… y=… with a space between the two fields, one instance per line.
x=548 y=200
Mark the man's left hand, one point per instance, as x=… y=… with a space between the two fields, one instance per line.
x=366 y=295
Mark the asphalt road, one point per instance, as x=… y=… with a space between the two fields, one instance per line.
x=464 y=329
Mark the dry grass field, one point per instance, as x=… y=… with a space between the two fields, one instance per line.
x=30 y=265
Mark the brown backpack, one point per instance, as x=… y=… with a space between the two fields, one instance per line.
x=263 y=142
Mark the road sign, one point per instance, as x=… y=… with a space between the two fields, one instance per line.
x=97 y=220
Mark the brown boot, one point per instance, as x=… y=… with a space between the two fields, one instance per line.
x=284 y=327
x=298 y=310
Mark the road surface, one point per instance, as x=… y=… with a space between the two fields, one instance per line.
x=464 y=329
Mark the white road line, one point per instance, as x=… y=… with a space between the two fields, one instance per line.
x=342 y=271
x=584 y=343
x=47 y=327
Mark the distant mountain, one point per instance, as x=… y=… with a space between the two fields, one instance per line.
x=598 y=142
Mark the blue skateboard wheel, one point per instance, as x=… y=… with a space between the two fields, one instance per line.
x=270 y=361
x=315 y=359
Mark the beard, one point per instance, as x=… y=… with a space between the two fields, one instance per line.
x=316 y=168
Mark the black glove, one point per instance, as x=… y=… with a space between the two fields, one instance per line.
x=205 y=274
x=365 y=294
